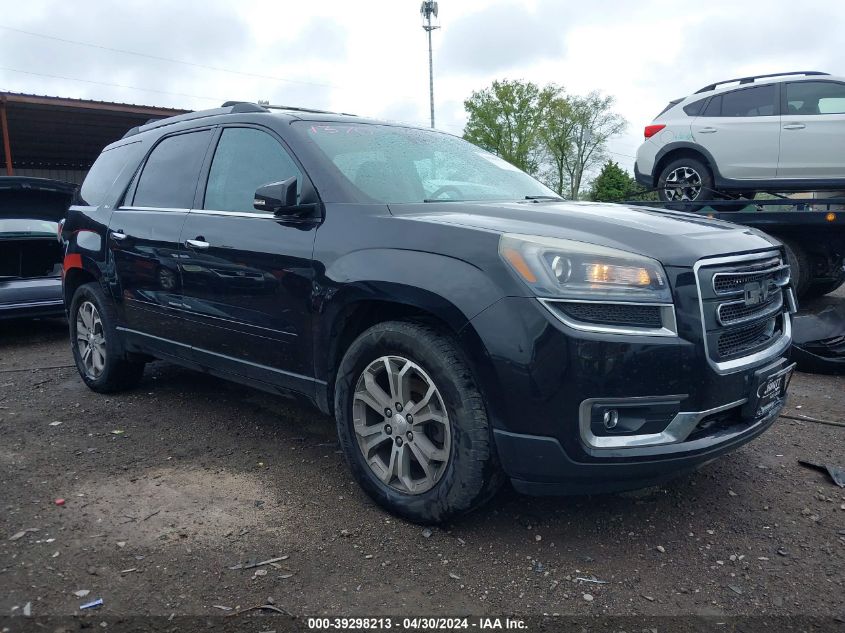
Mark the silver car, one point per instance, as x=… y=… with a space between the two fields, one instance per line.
x=30 y=254
x=781 y=132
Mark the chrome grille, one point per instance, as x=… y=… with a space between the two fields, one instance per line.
x=738 y=340
x=742 y=305
x=772 y=271
x=736 y=312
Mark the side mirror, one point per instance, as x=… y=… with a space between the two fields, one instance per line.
x=276 y=196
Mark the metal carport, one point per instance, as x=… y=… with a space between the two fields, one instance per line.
x=59 y=138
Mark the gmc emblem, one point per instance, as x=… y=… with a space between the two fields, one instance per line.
x=756 y=292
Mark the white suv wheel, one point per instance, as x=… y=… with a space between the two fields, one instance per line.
x=683 y=183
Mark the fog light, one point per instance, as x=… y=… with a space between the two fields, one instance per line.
x=610 y=418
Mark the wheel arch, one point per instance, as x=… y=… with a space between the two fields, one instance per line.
x=74 y=277
x=680 y=149
x=360 y=313
x=369 y=286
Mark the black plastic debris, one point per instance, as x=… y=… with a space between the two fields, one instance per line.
x=818 y=337
x=837 y=473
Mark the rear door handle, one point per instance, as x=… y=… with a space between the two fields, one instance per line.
x=707 y=130
x=119 y=235
x=794 y=126
x=198 y=244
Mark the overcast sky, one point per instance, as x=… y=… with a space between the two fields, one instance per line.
x=370 y=58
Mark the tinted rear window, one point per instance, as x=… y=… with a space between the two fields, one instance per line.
x=169 y=178
x=105 y=171
x=694 y=108
x=758 y=101
x=714 y=108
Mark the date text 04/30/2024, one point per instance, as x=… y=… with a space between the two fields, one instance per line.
x=415 y=623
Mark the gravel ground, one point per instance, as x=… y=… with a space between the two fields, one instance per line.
x=168 y=487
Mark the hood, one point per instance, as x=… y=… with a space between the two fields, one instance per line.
x=23 y=198
x=671 y=237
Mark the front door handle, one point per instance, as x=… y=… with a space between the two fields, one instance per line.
x=118 y=235
x=794 y=126
x=707 y=130
x=198 y=244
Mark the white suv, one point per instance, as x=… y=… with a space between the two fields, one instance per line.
x=781 y=132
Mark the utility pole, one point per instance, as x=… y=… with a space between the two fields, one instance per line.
x=427 y=10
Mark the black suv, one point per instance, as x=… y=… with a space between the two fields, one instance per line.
x=461 y=322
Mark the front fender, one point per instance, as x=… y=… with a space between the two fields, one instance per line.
x=451 y=290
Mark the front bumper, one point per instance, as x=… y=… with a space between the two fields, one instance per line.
x=540 y=466
x=26 y=298
x=541 y=378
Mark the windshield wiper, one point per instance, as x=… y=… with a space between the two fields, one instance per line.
x=444 y=200
x=537 y=198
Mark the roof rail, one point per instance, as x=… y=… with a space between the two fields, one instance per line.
x=311 y=110
x=248 y=106
x=239 y=107
x=189 y=116
x=751 y=79
x=230 y=107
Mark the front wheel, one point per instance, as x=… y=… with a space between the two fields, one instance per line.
x=799 y=266
x=413 y=425
x=96 y=345
x=824 y=288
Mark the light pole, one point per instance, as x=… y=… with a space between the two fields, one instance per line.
x=428 y=9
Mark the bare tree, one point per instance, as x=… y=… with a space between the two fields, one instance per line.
x=595 y=124
x=555 y=134
x=575 y=137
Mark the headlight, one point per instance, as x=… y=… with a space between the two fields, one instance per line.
x=557 y=268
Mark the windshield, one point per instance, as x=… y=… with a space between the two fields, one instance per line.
x=17 y=227
x=395 y=164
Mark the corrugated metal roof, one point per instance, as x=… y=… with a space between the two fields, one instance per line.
x=59 y=132
x=23 y=97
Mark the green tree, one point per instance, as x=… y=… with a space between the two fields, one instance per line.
x=613 y=184
x=504 y=119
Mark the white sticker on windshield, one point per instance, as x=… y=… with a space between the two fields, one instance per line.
x=498 y=162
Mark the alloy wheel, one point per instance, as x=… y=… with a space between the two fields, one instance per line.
x=90 y=339
x=401 y=424
x=683 y=183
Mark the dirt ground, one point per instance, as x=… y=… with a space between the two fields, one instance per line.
x=170 y=486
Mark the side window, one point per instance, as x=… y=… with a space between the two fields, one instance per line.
x=169 y=178
x=714 y=108
x=245 y=159
x=694 y=108
x=815 y=97
x=759 y=101
x=104 y=172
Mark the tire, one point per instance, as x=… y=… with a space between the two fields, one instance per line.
x=695 y=183
x=466 y=472
x=105 y=366
x=824 y=288
x=799 y=267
